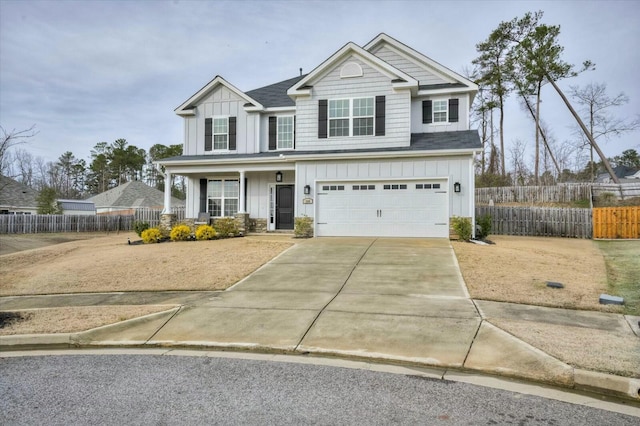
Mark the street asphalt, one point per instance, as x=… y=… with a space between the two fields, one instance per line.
x=389 y=299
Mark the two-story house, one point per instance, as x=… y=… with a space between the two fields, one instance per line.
x=375 y=141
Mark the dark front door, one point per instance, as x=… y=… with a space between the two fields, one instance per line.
x=284 y=207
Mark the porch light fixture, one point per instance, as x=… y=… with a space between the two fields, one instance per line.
x=307 y=190
x=278 y=176
x=456 y=187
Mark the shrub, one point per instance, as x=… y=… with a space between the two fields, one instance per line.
x=483 y=227
x=151 y=235
x=140 y=226
x=462 y=227
x=205 y=232
x=303 y=227
x=180 y=233
x=226 y=227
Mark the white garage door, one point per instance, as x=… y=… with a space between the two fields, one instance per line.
x=383 y=208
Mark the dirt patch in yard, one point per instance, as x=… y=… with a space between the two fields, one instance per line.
x=516 y=269
x=108 y=263
x=69 y=320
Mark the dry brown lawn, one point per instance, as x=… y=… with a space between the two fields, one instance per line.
x=516 y=269
x=108 y=263
x=73 y=319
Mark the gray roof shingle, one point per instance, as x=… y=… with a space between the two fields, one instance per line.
x=466 y=139
x=275 y=95
x=132 y=195
x=16 y=194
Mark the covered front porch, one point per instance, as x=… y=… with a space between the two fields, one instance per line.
x=261 y=198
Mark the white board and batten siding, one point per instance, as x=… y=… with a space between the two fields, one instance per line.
x=220 y=102
x=372 y=83
x=402 y=210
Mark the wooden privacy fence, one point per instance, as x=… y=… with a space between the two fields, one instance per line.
x=538 y=221
x=622 y=191
x=564 y=193
x=616 y=222
x=36 y=223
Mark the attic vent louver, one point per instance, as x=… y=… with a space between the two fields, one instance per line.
x=350 y=70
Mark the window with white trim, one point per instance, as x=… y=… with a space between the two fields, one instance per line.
x=285 y=132
x=440 y=110
x=351 y=117
x=223 y=197
x=221 y=133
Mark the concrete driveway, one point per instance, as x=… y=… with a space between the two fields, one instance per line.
x=404 y=298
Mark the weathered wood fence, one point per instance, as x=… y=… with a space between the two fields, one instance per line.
x=622 y=191
x=539 y=221
x=616 y=222
x=564 y=193
x=34 y=224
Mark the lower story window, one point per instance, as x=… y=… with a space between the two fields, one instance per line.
x=222 y=197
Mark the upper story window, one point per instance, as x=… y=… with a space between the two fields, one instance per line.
x=441 y=111
x=220 y=134
x=351 y=117
x=285 y=132
x=282 y=132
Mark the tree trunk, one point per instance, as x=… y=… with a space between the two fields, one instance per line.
x=586 y=132
x=537 y=164
x=544 y=137
x=504 y=169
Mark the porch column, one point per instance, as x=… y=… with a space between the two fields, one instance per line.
x=167 y=193
x=242 y=190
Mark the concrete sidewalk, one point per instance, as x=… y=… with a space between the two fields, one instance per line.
x=398 y=300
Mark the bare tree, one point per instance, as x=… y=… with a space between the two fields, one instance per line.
x=595 y=105
x=10 y=140
x=518 y=164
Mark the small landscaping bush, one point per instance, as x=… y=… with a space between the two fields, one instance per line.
x=462 y=227
x=151 y=235
x=180 y=233
x=205 y=232
x=140 y=226
x=303 y=227
x=226 y=227
x=483 y=227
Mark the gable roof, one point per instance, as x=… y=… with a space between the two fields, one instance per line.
x=399 y=78
x=132 y=195
x=187 y=107
x=16 y=194
x=415 y=56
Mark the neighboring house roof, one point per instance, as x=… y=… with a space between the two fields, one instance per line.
x=275 y=95
x=636 y=175
x=16 y=194
x=467 y=140
x=77 y=205
x=132 y=195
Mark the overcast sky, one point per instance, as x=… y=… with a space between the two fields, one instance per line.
x=90 y=71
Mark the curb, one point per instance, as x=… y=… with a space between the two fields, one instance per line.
x=583 y=380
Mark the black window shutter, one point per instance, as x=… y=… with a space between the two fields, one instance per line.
x=380 y=115
x=453 y=110
x=203 y=195
x=426 y=112
x=273 y=133
x=232 y=133
x=294 y=132
x=208 y=134
x=322 y=118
